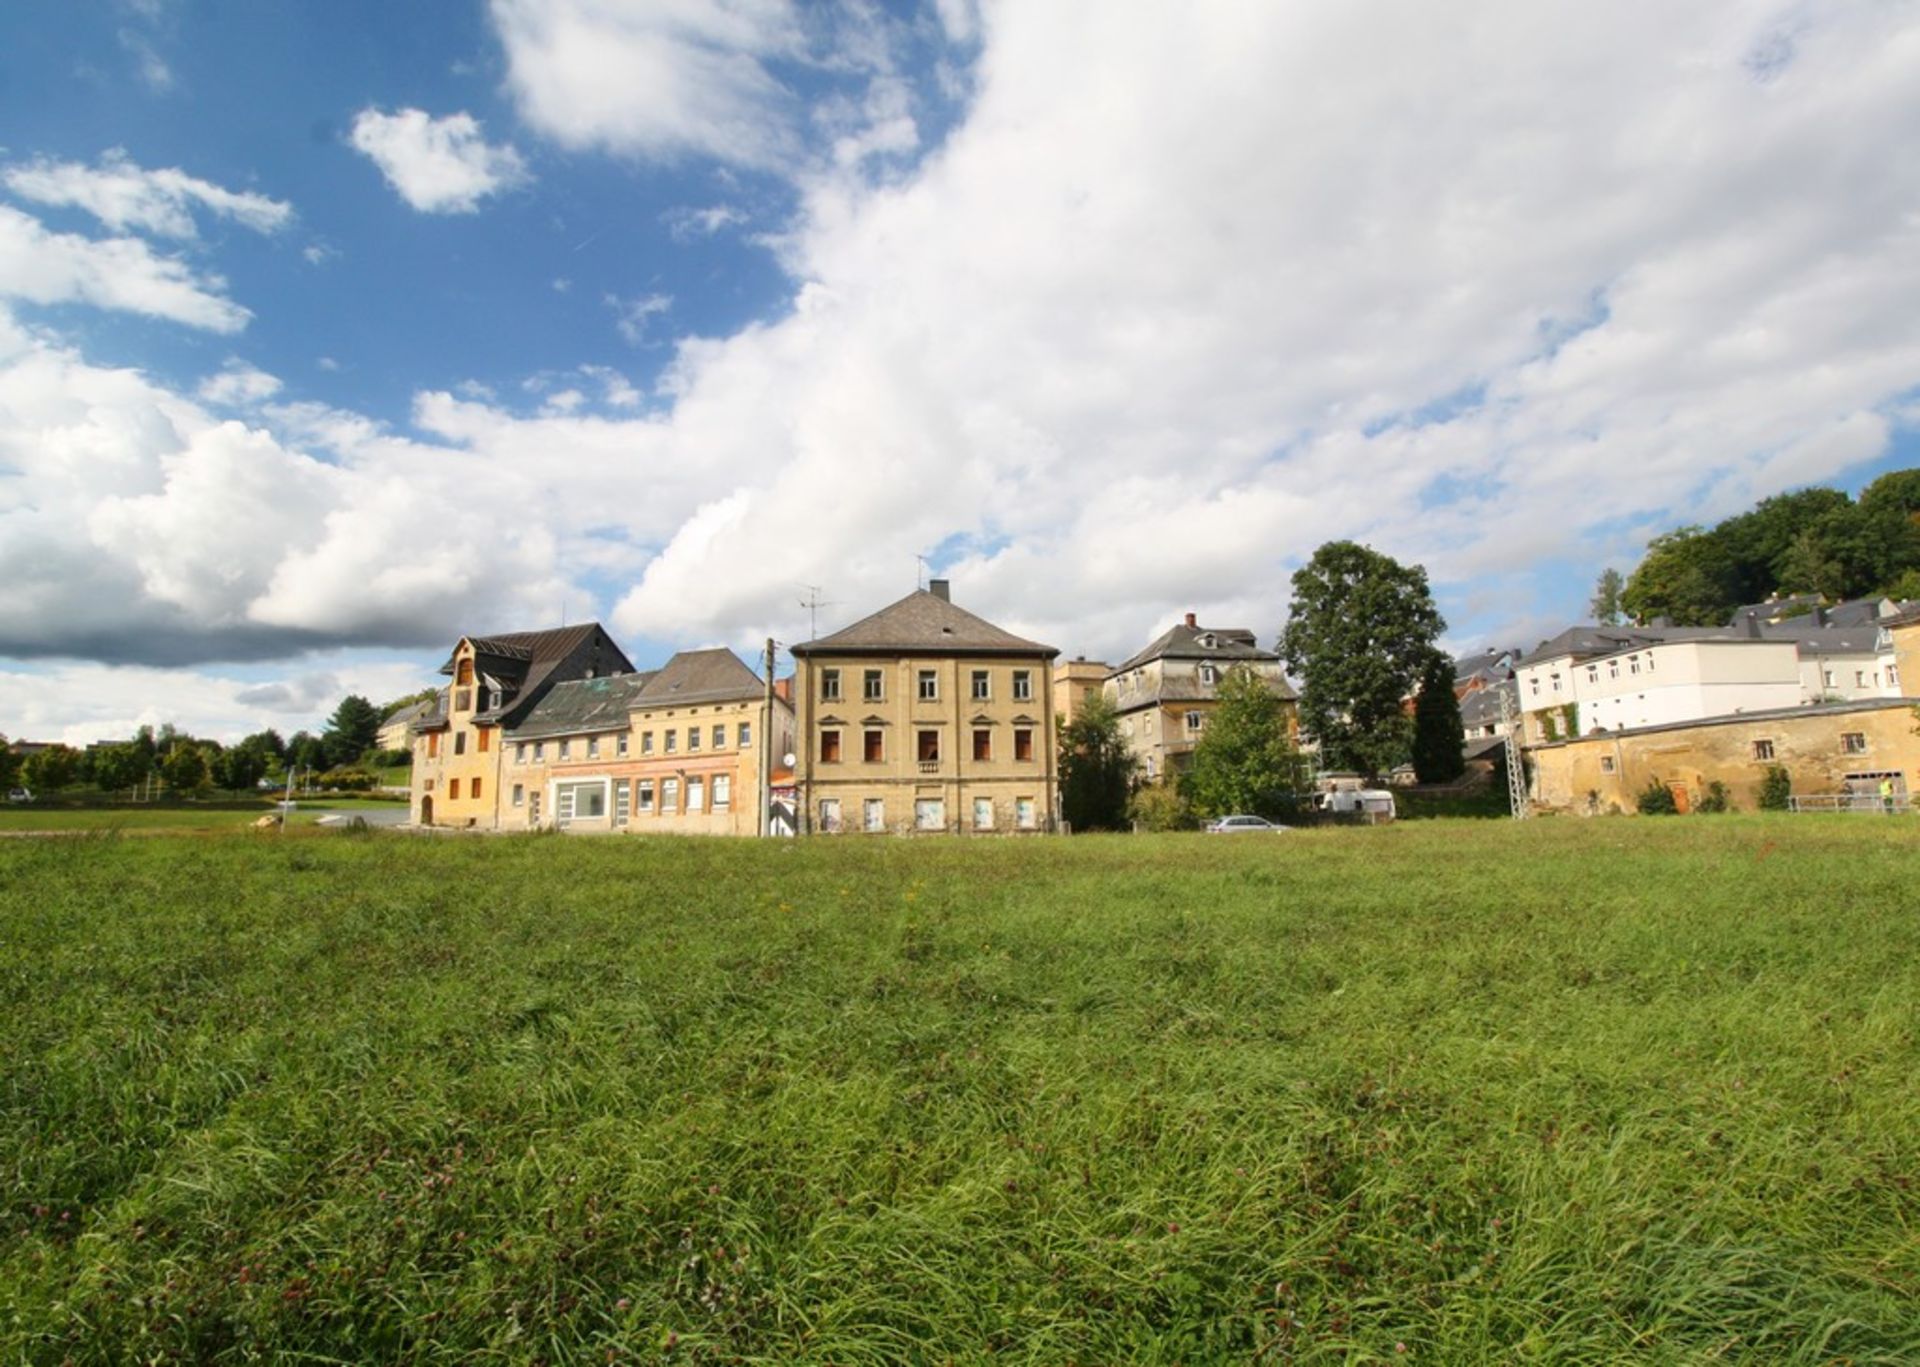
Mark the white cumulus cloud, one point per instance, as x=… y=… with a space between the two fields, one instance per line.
x=40 y=266
x=438 y=166
x=127 y=197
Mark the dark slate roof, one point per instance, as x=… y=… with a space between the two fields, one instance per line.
x=1182 y=642
x=529 y=650
x=1131 y=699
x=1816 y=641
x=574 y=706
x=1480 y=707
x=923 y=623
x=1491 y=663
x=696 y=676
x=1587 y=642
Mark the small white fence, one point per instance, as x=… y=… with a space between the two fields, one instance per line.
x=1851 y=802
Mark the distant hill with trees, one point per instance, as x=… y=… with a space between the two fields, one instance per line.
x=1815 y=541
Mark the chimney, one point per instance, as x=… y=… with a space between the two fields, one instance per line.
x=1191 y=624
x=938 y=588
x=1819 y=616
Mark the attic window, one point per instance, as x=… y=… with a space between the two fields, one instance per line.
x=1208 y=641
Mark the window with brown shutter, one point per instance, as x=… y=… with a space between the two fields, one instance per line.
x=876 y=746
x=983 y=744
x=829 y=747
x=1023 y=744
x=929 y=747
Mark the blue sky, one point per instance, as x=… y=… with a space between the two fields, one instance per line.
x=328 y=332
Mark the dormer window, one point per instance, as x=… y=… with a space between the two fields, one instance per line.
x=1208 y=641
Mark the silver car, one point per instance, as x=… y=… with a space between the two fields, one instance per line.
x=1237 y=825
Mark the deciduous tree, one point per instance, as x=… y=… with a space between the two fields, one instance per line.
x=1246 y=761
x=184 y=768
x=119 y=766
x=1361 y=629
x=51 y=769
x=1096 y=769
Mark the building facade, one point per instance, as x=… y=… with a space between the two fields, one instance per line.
x=1826 y=748
x=1074 y=682
x=924 y=717
x=690 y=748
x=1165 y=693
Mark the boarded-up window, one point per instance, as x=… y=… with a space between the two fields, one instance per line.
x=829 y=747
x=433 y=745
x=982 y=744
x=453 y=788
x=486 y=738
x=1023 y=744
x=476 y=788
x=875 y=749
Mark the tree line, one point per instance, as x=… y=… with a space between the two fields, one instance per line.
x=1812 y=541
x=1362 y=636
x=188 y=764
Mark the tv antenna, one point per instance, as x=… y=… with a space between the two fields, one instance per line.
x=813 y=602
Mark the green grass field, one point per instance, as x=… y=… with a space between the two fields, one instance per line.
x=169 y=818
x=1447 y=1091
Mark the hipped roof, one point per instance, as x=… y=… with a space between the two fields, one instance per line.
x=923 y=623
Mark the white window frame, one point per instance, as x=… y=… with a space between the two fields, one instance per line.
x=743 y=734
x=1023 y=685
x=643 y=796
x=646 y=742
x=930 y=814
x=669 y=795
x=980 y=689
x=593 y=747
x=719 y=738
x=696 y=794
x=1763 y=749
x=829 y=685
x=622 y=801
x=830 y=814
x=983 y=807
x=693 y=740
x=873 y=685
x=722 y=793
x=873 y=814
x=1026 y=814
x=519 y=795
x=565 y=794
x=927 y=685
x=620 y=745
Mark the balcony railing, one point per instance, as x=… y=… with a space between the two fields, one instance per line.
x=929 y=766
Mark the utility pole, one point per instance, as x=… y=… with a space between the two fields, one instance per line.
x=1516 y=750
x=766 y=750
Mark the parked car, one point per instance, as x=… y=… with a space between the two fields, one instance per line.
x=19 y=795
x=1239 y=825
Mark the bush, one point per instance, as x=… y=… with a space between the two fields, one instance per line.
x=346 y=780
x=1715 y=799
x=1656 y=799
x=1159 y=807
x=1776 y=786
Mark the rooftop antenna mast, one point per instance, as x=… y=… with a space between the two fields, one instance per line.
x=813 y=602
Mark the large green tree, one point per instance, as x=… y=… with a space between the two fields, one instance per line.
x=1246 y=761
x=240 y=767
x=1361 y=629
x=9 y=764
x=185 y=768
x=120 y=766
x=1439 y=738
x=1684 y=578
x=51 y=769
x=1096 y=769
x=351 y=730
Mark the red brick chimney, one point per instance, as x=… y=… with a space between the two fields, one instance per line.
x=1190 y=622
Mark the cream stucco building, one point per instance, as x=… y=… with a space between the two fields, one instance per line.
x=1165 y=694
x=924 y=717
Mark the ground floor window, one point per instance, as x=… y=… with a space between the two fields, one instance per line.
x=929 y=814
x=1024 y=813
x=696 y=793
x=874 y=814
x=829 y=814
x=983 y=813
x=519 y=794
x=579 y=801
x=622 y=801
x=722 y=792
x=669 y=795
x=644 y=795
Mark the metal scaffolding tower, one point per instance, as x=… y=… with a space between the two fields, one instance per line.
x=1516 y=762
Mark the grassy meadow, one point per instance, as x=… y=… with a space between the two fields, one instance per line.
x=1447 y=1091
